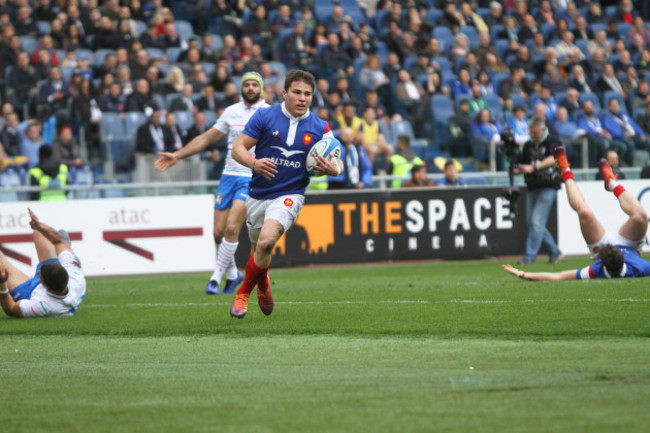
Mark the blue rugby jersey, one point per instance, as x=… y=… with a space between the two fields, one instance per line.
x=287 y=141
x=634 y=266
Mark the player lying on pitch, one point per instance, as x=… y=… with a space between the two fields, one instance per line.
x=615 y=255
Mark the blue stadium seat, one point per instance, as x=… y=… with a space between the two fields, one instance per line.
x=173 y=53
x=132 y=121
x=111 y=127
x=169 y=98
x=28 y=43
x=184 y=119
x=470 y=32
x=433 y=14
x=185 y=29
x=210 y=117
x=612 y=94
x=140 y=27
x=409 y=62
x=100 y=55
x=386 y=129
x=623 y=30
x=445 y=66
x=84 y=54
x=43 y=27
x=495 y=30
x=217 y=42
x=209 y=68
x=597 y=26
x=9 y=179
x=155 y=53
x=502 y=46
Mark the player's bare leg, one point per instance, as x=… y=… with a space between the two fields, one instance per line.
x=16 y=276
x=636 y=227
x=592 y=229
x=44 y=248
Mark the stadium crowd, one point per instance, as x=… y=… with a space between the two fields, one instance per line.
x=442 y=78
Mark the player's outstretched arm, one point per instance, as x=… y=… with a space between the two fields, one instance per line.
x=199 y=144
x=541 y=276
x=50 y=234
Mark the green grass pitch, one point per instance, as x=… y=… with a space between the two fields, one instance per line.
x=424 y=347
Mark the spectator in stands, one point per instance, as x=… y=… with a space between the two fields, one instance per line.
x=259 y=26
x=141 y=64
x=31 y=140
x=372 y=140
x=151 y=39
x=184 y=101
x=486 y=134
x=140 y=98
x=372 y=100
x=522 y=60
x=231 y=95
x=348 y=118
x=484 y=48
x=580 y=82
x=50 y=174
x=22 y=81
x=595 y=14
x=208 y=100
x=599 y=139
x=546 y=98
x=9 y=50
x=624 y=61
x=113 y=101
x=582 y=30
x=470 y=18
x=403 y=160
x=566 y=47
x=625 y=12
x=451 y=175
x=624 y=130
x=65 y=148
x=476 y=100
x=106 y=37
x=153 y=137
x=460 y=126
x=613 y=161
x=434 y=84
x=53 y=94
x=641 y=95
x=172 y=38
x=371 y=75
x=462 y=86
x=554 y=81
x=179 y=134
x=643 y=120
x=517 y=84
x=342 y=86
x=450 y=17
x=334 y=58
x=519 y=124
x=24 y=24
x=412 y=95
x=572 y=102
x=565 y=127
x=198 y=128
x=358 y=166
x=545 y=15
x=294 y=47
x=631 y=83
x=609 y=81
x=418 y=178
x=460 y=48
x=639 y=29
x=528 y=30
x=599 y=42
x=495 y=17
x=10 y=142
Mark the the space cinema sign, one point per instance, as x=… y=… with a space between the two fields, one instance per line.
x=463 y=223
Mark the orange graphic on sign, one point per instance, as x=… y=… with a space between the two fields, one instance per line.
x=313 y=232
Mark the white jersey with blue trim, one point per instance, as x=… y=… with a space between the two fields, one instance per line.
x=45 y=304
x=286 y=140
x=232 y=122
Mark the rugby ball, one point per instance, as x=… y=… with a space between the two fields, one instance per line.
x=328 y=148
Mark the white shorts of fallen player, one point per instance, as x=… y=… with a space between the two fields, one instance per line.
x=614 y=239
x=283 y=209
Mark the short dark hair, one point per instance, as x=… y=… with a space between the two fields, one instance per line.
x=54 y=277
x=299 y=75
x=612 y=258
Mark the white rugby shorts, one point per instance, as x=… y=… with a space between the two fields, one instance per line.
x=614 y=239
x=283 y=209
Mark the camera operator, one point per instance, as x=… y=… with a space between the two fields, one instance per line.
x=542 y=181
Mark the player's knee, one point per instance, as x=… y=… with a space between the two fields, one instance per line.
x=265 y=246
x=584 y=212
x=639 y=216
x=232 y=230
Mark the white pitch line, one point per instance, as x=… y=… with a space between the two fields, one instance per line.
x=404 y=301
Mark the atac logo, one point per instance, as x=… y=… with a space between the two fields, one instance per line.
x=288 y=202
x=307 y=139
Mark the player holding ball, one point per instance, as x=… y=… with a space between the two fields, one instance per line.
x=283 y=136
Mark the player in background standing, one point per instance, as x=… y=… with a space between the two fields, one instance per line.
x=616 y=255
x=230 y=205
x=282 y=136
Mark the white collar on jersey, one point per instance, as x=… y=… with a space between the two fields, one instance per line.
x=286 y=113
x=255 y=106
x=623 y=271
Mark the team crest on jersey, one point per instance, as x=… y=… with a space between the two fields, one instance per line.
x=218 y=200
x=306 y=139
x=288 y=202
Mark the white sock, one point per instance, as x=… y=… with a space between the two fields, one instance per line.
x=612 y=184
x=231 y=273
x=225 y=257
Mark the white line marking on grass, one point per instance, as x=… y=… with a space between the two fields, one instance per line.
x=397 y=301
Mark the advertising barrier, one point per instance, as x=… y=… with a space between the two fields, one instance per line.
x=144 y=235
x=410 y=224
